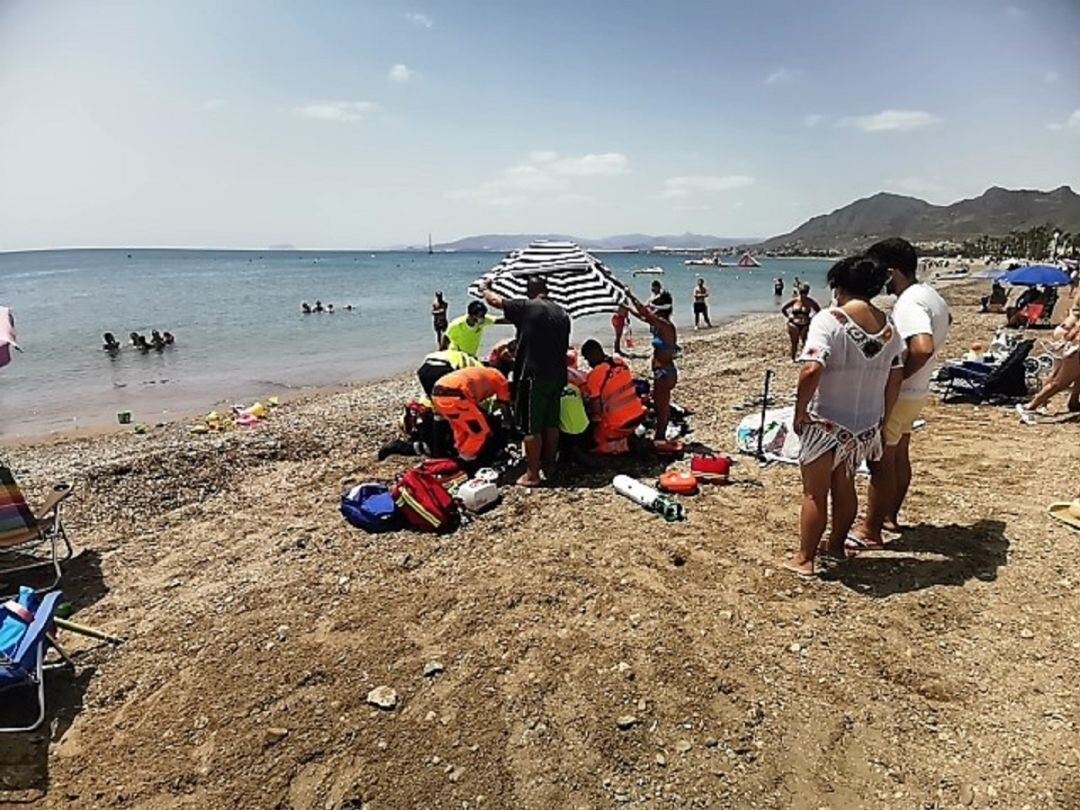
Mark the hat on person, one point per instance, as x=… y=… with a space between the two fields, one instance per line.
x=1066 y=512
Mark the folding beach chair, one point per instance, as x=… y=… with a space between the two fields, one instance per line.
x=981 y=382
x=23 y=531
x=25 y=625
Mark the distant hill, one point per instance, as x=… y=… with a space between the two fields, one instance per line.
x=504 y=242
x=996 y=212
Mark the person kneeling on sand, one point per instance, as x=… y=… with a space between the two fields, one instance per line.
x=922 y=318
x=614 y=405
x=850 y=377
x=543 y=338
x=459 y=397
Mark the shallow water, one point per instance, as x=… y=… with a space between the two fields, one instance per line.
x=238 y=327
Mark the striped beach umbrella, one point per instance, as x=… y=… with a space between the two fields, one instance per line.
x=576 y=280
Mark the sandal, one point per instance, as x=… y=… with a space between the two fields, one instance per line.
x=858 y=544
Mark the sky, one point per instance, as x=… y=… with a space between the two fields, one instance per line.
x=370 y=124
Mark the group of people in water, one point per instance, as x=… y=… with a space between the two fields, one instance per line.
x=319 y=308
x=158 y=341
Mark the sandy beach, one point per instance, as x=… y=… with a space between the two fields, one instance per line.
x=589 y=654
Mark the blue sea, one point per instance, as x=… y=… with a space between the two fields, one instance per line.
x=239 y=330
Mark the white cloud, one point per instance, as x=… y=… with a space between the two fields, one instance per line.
x=782 y=75
x=679 y=187
x=341 y=111
x=420 y=19
x=811 y=120
x=212 y=104
x=1071 y=123
x=607 y=164
x=892 y=121
x=400 y=73
x=545 y=174
x=1051 y=77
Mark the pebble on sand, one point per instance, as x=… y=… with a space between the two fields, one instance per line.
x=432 y=668
x=626 y=721
x=383 y=696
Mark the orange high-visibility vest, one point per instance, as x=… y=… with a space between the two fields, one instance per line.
x=476 y=383
x=611 y=384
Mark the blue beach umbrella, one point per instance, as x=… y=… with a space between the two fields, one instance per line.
x=1037 y=275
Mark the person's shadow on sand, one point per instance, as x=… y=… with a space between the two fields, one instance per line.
x=925 y=556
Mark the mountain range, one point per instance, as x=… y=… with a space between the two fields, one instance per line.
x=627 y=241
x=996 y=212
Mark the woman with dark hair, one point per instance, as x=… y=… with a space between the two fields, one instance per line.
x=439 y=308
x=665 y=373
x=851 y=374
x=798 y=311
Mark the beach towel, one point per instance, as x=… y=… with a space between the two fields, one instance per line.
x=7 y=335
x=781 y=444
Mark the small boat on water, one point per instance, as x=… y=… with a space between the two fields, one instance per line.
x=746 y=260
x=649 y=271
x=714 y=261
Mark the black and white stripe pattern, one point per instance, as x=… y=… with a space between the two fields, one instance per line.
x=576 y=280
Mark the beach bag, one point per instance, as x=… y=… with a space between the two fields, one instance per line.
x=446 y=471
x=573 y=420
x=370 y=507
x=424 y=503
x=711 y=469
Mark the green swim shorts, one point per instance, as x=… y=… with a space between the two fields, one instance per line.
x=537 y=405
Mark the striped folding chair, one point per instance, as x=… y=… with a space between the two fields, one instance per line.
x=24 y=532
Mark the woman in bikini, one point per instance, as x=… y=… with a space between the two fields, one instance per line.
x=852 y=369
x=798 y=311
x=439 y=308
x=665 y=374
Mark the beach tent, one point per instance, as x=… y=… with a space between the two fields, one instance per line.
x=989 y=273
x=1037 y=275
x=577 y=281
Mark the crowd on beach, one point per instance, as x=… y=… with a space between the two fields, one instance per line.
x=158 y=341
x=864 y=380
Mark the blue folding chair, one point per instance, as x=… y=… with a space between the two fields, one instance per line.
x=24 y=628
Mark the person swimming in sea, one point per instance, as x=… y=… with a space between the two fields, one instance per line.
x=305 y=308
x=168 y=338
x=139 y=342
x=330 y=309
x=110 y=344
x=318 y=306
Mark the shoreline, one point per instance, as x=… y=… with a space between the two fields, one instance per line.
x=286 y=395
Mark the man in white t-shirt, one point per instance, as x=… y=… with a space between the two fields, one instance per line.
x=922 y=318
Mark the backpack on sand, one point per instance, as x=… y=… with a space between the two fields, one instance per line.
x=371 y=508
x=424 y=502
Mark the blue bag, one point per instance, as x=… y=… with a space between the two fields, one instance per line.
x=371 y=507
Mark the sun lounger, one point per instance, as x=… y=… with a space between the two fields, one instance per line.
x=981 y=382
x=24 y=634
x=23 y=531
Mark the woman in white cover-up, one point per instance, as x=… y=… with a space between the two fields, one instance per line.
x=851 y=374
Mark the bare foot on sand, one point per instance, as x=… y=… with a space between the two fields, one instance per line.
x=528 y=480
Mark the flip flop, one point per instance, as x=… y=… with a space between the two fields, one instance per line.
x=858 y=544
x=800 y=573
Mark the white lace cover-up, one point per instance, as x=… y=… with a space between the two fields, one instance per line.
x=849 y=405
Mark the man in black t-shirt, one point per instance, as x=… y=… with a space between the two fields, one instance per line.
x=543 y=338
